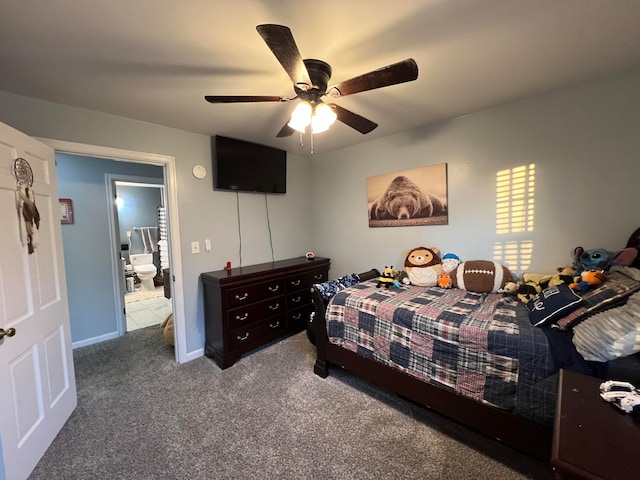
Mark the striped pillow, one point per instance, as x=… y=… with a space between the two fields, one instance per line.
x=610 y=334
x=621 y=282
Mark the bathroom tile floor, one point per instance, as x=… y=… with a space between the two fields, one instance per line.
x=146 y=308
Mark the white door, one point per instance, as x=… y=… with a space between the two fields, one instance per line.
x=37 y=382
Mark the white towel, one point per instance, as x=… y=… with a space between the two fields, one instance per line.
x=149 y=239
x=163 y=246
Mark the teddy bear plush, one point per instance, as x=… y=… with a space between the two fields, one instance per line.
x=423 y=266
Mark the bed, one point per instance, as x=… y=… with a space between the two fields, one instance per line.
x=474 y=357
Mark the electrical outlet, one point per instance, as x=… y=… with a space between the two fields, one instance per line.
x=207 y=245
x=195 y=247
x=128 y=233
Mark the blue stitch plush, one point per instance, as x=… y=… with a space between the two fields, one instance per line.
x=601 y=259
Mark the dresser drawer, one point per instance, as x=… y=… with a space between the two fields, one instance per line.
x=304 y=280
x=257 y=332
x=241 y=316
x=297 y=319
x=298 y=299
x=255 y=292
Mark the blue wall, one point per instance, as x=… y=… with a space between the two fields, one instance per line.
x=90 y=281
x=139 y=209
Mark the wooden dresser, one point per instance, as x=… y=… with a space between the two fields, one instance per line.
x=247 y=307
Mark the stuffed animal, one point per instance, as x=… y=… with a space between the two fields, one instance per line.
x=423 y=266
x=565 y=276
x=588 y=280
x=445 y=281
x=402 y=277
x=449 y=262
x=481 y=276
x=601 y=259
x=388 y=278
x=510 y=288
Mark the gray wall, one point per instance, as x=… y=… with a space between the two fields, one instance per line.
x=202 y=212
x=585 y=145
x=583 y=141
x=86 y=242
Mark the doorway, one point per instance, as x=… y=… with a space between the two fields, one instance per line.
x=138 y=226
x=170 y=185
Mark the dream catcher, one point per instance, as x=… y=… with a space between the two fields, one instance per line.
x=26 y=204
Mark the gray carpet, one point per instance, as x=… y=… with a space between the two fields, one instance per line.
x=142 y=416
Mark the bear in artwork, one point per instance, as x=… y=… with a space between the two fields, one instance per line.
x=403 y=200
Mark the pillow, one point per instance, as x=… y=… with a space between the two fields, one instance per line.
x=329 y=288
x=552 y=303
x=349 y=280
x=610 y=334
x=621 y=282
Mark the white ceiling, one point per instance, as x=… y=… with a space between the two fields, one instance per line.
x=154 y=60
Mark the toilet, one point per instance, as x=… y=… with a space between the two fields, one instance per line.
x=145 y=269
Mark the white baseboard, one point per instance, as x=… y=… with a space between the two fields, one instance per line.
x=91 y=341
x=194 y=354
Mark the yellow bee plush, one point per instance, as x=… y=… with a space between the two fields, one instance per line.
x=388 y=278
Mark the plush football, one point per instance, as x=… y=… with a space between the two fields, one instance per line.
x=481 y=276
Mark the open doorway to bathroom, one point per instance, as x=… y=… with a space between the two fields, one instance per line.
x=96 y=305
x=140 y=234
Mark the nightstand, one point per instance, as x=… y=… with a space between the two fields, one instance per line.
x=591 y=438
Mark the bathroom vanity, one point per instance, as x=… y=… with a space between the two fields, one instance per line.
x=248 y=307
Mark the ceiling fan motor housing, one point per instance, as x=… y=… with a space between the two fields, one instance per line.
x=319 y=73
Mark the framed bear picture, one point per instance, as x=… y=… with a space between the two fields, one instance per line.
x=408 y=198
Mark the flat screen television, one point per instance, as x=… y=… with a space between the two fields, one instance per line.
x=248 y=167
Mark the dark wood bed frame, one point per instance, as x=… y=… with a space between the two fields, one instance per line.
x=522 y=434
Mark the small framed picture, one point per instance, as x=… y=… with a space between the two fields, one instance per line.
x=66 y=210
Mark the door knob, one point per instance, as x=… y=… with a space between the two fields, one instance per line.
x=9 y=332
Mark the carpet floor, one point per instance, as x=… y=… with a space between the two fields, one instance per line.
x=141 y=415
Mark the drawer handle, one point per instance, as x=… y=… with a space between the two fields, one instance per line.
x=242 y=318
x=317 y=277
x=295 y=283
x=296 y=300
x=274 y=326
x=297 y=317
x=243 y=297
x=243 y=338
x=274 y=289
x=274 y=307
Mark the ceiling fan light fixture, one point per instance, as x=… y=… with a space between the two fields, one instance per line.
x=323 y=118
x=301 y=116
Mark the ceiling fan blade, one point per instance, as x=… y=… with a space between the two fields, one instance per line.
x=243 y=98
x=355 y=121
x=405 y=71
x=285 y=131
x=280 y=40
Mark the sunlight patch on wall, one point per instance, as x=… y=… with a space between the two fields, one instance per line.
x=516 y=256
x=515 y=202
x=515 y=189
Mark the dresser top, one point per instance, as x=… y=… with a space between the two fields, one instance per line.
x=264 y=269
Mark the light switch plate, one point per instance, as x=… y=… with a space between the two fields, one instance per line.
x=207 y=245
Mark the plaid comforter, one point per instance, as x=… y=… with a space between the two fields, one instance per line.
x=479 y=345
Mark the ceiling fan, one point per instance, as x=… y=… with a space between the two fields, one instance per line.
x=311 y=83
